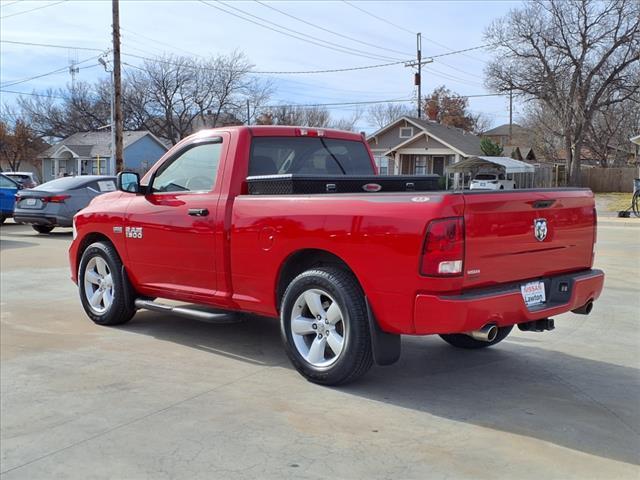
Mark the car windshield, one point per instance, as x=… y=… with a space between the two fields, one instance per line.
x=308 y=155
x=485 y=176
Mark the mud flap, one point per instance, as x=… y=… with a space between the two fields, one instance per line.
x=385 y=346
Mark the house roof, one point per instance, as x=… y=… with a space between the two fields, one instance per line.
x=94 y=144
x=504 y=130
x=462 y=142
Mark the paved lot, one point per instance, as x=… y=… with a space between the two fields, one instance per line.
x=165 y=397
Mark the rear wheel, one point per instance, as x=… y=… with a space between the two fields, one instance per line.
x=460 y=340
x=106 y=296
x=635 y=203
x=325 y=327
x=2 y=219
x=42 y=228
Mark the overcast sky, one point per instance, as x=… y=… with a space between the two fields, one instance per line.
x=151 y=27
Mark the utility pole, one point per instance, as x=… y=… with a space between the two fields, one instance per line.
x=511 y=116
x=111 y=165
x=117 y=87
x=248 y=113
x=418 y=76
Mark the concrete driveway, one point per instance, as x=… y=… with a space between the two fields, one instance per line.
x=166 y=397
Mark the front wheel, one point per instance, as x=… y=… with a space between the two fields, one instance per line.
x=635 y=204
x=460 y=340
x=42 y=228
x=325 y=327
x=105 y=293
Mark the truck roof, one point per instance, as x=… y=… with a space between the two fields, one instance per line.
x=286 y=131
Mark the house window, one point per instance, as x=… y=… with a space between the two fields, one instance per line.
x=421 y=165
x=103 y=167
x=382 y=163
x=406 y=132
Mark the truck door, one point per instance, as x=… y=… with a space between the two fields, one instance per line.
x=171 y=231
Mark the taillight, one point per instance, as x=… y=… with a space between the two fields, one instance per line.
x=55 y=198
x=443 y=251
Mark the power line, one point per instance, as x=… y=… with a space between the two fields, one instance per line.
x=385 y=20
x=158 y=41
x=282 y=72
x=329 y=31
x=262 y=72
x=11 y=3
x=33 y=94
x=49 y=45
x=53 y=72
x=33 y=9
x=296 y=34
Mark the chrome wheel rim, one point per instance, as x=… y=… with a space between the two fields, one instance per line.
x=318 y=328
x=98 y=285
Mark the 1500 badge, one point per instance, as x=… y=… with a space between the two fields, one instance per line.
x=133 y=232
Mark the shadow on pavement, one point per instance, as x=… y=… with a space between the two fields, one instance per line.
x=10 y=244
x=574 y=402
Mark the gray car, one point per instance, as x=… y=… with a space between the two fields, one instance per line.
x=53 y=204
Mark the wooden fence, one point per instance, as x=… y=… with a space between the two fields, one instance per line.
x=609 y=179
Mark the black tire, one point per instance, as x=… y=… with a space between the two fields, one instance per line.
x=2 y=219
x=460 y=340
x=42 y=228
x=122 y=307
x=635 y=204
x=355 y=358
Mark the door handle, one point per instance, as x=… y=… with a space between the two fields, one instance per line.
x=198 y=212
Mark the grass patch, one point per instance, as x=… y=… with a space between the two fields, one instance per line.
x=615 y=202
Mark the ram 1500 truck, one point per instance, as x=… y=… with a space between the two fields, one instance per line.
x=294 y=223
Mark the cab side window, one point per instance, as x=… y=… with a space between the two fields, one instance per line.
x=192 y=170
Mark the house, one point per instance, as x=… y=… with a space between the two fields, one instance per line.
x=89 y=153
x=519 y=135
x=415 y=146
x=519 y=153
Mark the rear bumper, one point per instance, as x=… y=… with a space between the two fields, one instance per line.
x=35 y=218
x=503 y=305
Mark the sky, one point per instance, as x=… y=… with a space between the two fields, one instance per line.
x=372 y=33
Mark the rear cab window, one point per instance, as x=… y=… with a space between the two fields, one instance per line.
x=308 y=156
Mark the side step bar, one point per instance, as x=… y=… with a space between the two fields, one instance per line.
x=183 y=311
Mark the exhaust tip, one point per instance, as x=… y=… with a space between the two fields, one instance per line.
x=487 y=333
x=492 y=333
x=588 y=307
x=585 y=309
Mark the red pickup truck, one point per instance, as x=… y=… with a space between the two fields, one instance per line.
x=294 y=223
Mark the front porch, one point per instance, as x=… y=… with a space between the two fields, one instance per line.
x=67 y=164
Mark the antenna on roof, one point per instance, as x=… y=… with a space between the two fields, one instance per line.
x=73 y=67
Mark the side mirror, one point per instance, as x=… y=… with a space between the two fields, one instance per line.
x=128 y=182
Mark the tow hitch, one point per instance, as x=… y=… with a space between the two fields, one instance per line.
x=537 y=325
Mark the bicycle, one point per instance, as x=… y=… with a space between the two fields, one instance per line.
x=635 y=202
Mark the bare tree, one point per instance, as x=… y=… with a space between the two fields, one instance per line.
x=576 y=57
x=171 y=96
x=350 y=122
x=383 y=114
x=296 y=115
x=481 y=123
x=608 y=134
x=18 y=143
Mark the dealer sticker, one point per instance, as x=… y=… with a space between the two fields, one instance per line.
x=533 y=293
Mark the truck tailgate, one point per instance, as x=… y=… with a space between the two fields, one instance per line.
x=501 y=241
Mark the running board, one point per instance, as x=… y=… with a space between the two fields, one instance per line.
x=182 y=311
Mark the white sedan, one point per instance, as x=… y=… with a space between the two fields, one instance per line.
x=491 y=181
